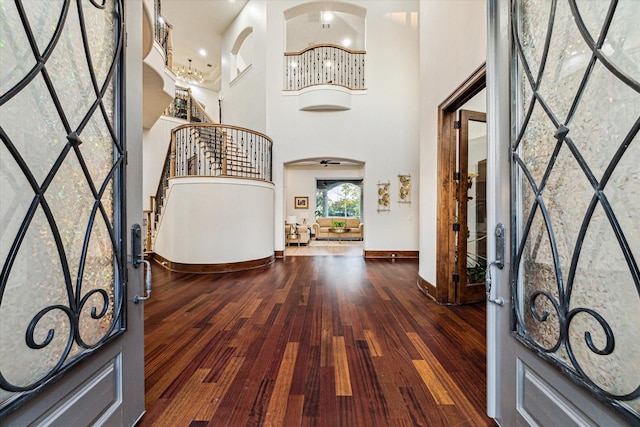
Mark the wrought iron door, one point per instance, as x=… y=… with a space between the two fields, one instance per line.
x=576 y=192
x=62 y=164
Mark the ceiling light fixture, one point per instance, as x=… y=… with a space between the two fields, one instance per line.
x=189 y=75
x=202 y=52
x=325 y=19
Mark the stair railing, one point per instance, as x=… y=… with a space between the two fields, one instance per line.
x=186 y=107
x=163 y=34
x=221 y=150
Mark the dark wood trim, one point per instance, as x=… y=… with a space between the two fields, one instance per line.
x=427 y=288
x=279 y=254
x=467 y=90
x=466 y=292
x=445 y=237
x=392 y=254
x=213 y=268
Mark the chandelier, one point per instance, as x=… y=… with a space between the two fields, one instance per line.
x=190 y=75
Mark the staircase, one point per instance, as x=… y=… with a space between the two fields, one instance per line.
x=209 y=150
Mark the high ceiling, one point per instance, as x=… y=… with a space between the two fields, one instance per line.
x=199 y=24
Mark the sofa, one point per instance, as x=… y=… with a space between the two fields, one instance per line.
x=322 y=226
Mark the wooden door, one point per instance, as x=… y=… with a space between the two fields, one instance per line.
x=71 y=337
x=471 y=197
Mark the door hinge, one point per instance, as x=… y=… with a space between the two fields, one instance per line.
x=456 y=226
x=456 y=278
x=456 y=176
x=457 y=124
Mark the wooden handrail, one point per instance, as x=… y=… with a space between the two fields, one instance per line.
x=318 y=46
x=186 y=125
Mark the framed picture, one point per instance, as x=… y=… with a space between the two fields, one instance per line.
x=301 y=202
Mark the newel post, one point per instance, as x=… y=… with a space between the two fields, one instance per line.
x=172 y=172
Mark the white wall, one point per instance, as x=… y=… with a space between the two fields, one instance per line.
x=155 y=143
x=216 y=221
x=380 y=130
x=207 y=97
x=244 y=98
x=452 y=46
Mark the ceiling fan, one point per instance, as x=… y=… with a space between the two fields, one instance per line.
x=327 y=162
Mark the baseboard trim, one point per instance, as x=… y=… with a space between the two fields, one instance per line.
x=427 y=288
x=230 y=267
x=391 y=254
x=279 y=254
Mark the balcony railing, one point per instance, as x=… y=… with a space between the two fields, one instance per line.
x=185 y=106
x=162 y=30
x=324 y=65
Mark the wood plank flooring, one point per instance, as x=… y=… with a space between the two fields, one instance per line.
x=311 y=341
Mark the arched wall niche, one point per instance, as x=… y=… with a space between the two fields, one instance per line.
x=242 y=52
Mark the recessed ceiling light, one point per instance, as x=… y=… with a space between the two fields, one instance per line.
x=346 y=42
x=202 y=52
x=326 y=17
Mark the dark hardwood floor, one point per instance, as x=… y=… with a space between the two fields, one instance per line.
x=326 y=341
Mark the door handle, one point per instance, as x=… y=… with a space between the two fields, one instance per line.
x=137 y=259
x=499 y=262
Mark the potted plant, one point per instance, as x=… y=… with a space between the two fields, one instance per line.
x=338 y=224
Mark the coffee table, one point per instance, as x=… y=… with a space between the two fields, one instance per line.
x=339 y=231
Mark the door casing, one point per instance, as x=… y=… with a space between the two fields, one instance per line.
x=445 y=291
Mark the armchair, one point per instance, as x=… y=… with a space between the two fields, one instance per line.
x=301 y=235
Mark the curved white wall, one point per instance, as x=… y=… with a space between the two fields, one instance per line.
x=213 y=220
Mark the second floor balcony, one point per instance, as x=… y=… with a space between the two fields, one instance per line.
x=324 y=64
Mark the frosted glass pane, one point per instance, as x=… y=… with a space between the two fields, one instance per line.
x=593 y=14
x=100 y=27
x=533 y=31
x=36 y=281
x=622 y=45
x=616 y=108
x=69 y=72
x=42 y=142
x=16 y=196
x=71 y=202
x=43 y=19
x=566 y=213
x=604 y=284
x=623 y=193
x=538 y=143
x=539 y=275
x=98 y=274
x=566 y=63
x=96 y=149
x=15 y=51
